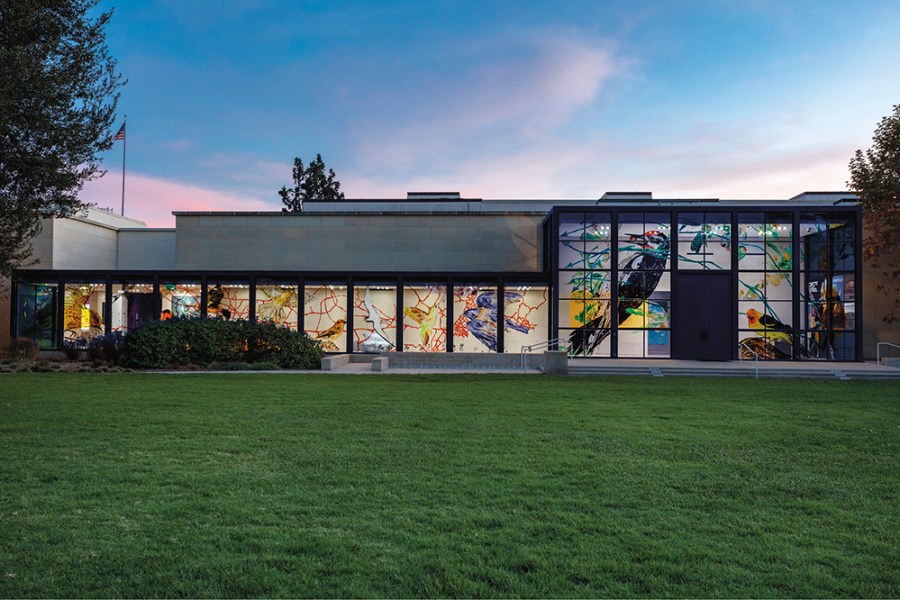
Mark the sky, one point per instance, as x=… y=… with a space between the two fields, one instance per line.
x=493 y=99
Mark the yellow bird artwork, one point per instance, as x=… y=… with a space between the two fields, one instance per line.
x=328 y=336
x=425 y=320
x=278 y=304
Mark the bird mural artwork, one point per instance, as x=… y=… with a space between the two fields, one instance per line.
x=481 y=320
x=774 y=332
x=639 y=274
x=425 y=320
x=772 y=328
x=276 y=303
x=377 y=340
x=78 y=312
x=759 y=347
x=215 y=297
x=328 y=336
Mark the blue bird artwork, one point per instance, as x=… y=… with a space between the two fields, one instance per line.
x=481 y=321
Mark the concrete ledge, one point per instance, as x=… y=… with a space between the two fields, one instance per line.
x=556 y=363
x=362 y=358
x=330 y=363
x=891 y=362
x=380 y=364
x=461 y=360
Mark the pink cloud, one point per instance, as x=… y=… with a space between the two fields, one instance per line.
x=559 y=170
x=153 y=199
x=494 y=101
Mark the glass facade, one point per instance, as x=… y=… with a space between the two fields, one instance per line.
x=621 y=299
x=325 y=315
x=526 y=317
x=584 y=282
x=644 y=285
x=278 y=301
x=765 y=285
x=425 y=318
x=374 y=318
x=84 y=304
x=132 y=303
x=618 y=282
x=827 y=286
x=228 y=299
x=180 y=298
x=36 y=312
x=475 y=309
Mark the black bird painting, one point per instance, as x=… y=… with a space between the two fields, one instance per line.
x=639 y=274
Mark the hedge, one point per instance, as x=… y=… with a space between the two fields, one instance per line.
x=198 y=341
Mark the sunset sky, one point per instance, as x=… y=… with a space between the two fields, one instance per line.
x=493 y=99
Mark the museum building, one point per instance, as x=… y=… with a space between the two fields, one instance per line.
x=625 y=275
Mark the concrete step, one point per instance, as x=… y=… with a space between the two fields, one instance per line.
x=779 y=373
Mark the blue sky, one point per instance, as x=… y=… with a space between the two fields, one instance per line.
x=494 y=99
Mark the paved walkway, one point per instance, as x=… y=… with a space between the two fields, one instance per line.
x=601 y=363
x=649 y=363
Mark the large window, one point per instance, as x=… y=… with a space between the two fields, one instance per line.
x=765 y=285
x=704 y=241
x=584 y=288
x=475 y=309
x=180 y=298
x=526 y=319
x=325 y=315
x=36 y=312
x=640 y=311
x=132 y=303
x=228 y=299
x=425 y=318
x=278 y=301
x=374 y=317
x=84 y=309
x=644 y=285
x=828 y=287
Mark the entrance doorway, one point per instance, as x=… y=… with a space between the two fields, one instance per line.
x=702 y=320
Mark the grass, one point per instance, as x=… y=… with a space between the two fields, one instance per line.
x=323 y=485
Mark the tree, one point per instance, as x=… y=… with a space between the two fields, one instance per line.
x=875 y=177
x=310 y=183
x=58 y=96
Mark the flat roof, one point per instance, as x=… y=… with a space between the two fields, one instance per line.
x=450 y=206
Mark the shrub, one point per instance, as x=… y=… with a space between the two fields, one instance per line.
x=288 y=349
x=181 y=342
x=99 y=347
x=72 y=348
x=230 y=366
x=23 y=349
x=264 y=366
x=107 y=347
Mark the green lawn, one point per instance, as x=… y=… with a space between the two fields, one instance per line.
x=482 y=485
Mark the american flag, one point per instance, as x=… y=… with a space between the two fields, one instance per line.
x=121 y=134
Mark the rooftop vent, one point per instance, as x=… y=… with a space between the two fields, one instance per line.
x=432 y=195
x=627 y=196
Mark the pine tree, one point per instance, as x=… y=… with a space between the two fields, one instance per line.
x=310 y=183
x=58 y=96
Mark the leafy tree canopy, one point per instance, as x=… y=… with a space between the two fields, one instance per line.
x=310 y=183
x=58 y=96
x=875 y=177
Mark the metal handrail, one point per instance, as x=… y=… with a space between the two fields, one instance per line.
x=559 y=342
x=878 y=350
x=743 y=343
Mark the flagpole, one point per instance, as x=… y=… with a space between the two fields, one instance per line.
x=124 y=142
